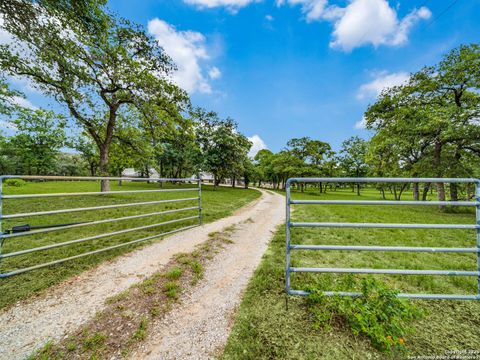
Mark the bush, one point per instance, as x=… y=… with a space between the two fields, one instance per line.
x=378 y=314
x=15 y=182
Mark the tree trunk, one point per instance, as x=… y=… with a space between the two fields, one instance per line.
x=415 y=192
x=104 y=184
x=233 y=181
x=120 y=175
x=402 y=188
x=436 y=162
x=358 y=189
x=426 y=187
x=92 y=169
x=453 y=192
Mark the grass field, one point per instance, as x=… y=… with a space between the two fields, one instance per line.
x=215 y=204
x=264 y=329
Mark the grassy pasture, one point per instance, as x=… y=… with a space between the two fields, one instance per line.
x=215 y=204
x=265 y=330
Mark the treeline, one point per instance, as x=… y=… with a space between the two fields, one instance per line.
x=427 y=127
x=122 y=111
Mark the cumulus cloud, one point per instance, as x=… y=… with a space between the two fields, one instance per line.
x=257 y=145
x=361 y=22
x=232 y=5
x=382 y=80
x=312 y=9
x=214 y=73
x=23 y=102
x=188 y=51
x=361 y=124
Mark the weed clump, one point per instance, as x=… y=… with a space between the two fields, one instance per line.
x=377 y=314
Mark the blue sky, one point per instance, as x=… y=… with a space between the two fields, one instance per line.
x=295 y=68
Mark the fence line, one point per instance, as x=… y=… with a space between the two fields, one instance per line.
x=26 y=230
x=300 y=247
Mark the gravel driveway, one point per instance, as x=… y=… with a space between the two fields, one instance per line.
x=30 y=324
x=199 y=327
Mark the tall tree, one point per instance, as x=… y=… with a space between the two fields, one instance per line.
x=435 y=113
x=353 y=158
x=37 y=142
x=94 y=65
x=222 y=147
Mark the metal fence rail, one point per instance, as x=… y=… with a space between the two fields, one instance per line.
x=12 y=236
x=299 y=247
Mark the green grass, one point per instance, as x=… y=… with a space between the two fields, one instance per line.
x=265 y=330
x=215 y=204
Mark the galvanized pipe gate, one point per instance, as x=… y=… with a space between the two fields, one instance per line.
x=13 y=236
x=290 y=247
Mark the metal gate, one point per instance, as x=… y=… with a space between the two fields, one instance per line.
x=290 y=247
x=19 y=232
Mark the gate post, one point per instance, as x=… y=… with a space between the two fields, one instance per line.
x=477 y=213
x=1 y=217
x=199 y=198
x=287 y=233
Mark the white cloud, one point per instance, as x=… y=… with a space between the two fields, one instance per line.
x=188 y=51
x=23 y=102
x=232 y=5
x=214 y=73
x=269 y=17
x=361 y=124
x=257 y=145
x=361 y=22
x=381 y=81
x=5 y=37
x=7 y=125
x=313 y=9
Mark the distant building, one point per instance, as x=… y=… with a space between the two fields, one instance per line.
x=206 y=177
x=131 y=172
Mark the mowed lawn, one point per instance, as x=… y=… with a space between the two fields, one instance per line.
x=264 y=329
x=216 y=204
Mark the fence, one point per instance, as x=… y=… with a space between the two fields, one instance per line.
x=18 y=232
x=290 y=247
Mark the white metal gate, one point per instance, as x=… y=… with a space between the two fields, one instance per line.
x=16 y=233
x=290 y=247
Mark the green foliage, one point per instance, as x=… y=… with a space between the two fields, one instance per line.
x=7 y=96
x=94 y=341
x=15 y=182
x=174 y=274
x=141 y=331
x=428 y=126
x=171 y=289
x=35 y=147
x=223 y=149
x=378 y=314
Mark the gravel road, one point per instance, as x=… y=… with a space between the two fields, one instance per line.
x=199 y=327
x=29 y=324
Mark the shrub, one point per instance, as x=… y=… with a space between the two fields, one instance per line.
x=15 y=182
x=174 y=273
x=378 y=314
